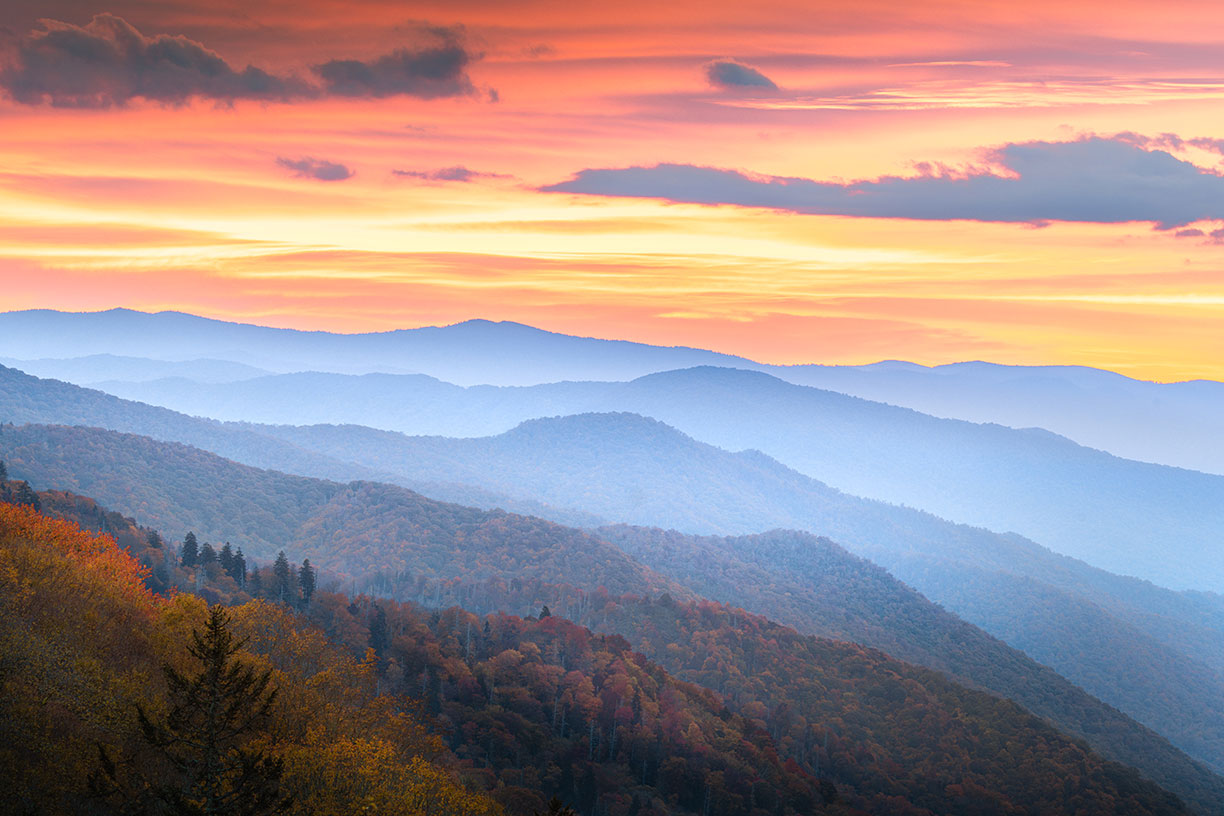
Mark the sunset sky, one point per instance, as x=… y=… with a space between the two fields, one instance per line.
x=794 y=182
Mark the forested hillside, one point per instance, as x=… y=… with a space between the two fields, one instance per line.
x=831 y=728
x=350 y=528
x=639 y=470
x=396 y=543
x=83 y=642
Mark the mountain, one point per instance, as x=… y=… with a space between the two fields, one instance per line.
x=24 y=398
x=1178 y=423
x=475 y=351
x=95 y=367
x=545 y=707
x=1128 y=517
x=944 y=561
x=1131 y=518
x=84 y=644
x=413 y=403
x=369 y=528
x=1156 y=654
x=353 y=528
x=1177 y=633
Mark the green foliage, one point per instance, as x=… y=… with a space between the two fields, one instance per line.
x=190 y=553
x=207 y=740
x=307 y=581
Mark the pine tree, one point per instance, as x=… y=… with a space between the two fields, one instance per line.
x=282 y=571
x=25 y=495
x=204 y=738
x=240 y=568
x=191 y=551
x=3 y=472
x=226 y=559
x=380 y=636
x=256 y=581
x=545 y=612
x=207 y=554
x=557 y=808
x=306 y=579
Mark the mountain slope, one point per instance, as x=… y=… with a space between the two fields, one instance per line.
x=95 y=367
x=353 y=528
x=365 y=527
x=1179 y=424
x=640 y=471
x=591 y=718
x=1176 y=424
x=475 y=351
x=1189 y=624
x=1129 y=517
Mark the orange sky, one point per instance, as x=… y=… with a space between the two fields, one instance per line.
x=181 y=203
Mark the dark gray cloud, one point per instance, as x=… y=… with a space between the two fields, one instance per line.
x=457 y=173
x=429 y=72
x=108 y=62
x=1090 y=180
x=728 y=74
x=318 y=169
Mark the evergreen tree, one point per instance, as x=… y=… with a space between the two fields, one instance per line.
x=557 y=808
x=255 y=584
x=226 y=559
x=153 y=539
x=282 y=572
x=380 y=636
x=306 y=580
x=25 y=495
x=191 y=551
x=545 y=612
x=205 y=738
x=239 y=571
x=207 y=554
x=3 y=472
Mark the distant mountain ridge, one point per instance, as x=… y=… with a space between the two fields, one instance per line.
x=1129 y=517
x=1178 y=424
x=95 y=367
x=471 y=352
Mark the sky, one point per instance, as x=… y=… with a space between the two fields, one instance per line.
x=795 y=182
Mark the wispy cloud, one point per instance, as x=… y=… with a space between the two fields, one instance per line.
x=953 y=64
x=1019 y=93
x=457 y=173
x=1090 y=180
x=318 y=169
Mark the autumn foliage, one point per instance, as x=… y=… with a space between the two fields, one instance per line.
x=83 y=642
